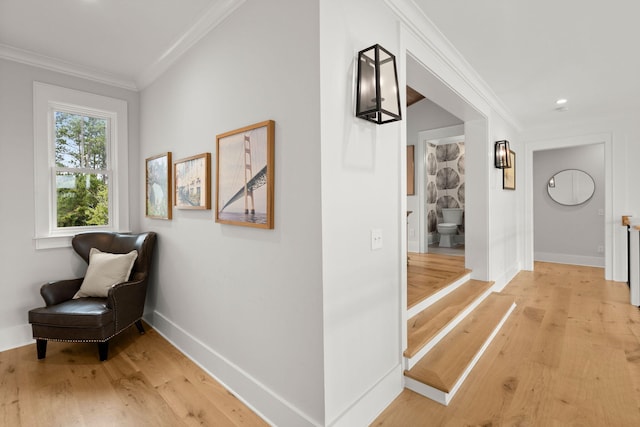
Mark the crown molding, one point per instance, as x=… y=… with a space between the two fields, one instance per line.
x=42 y=61
x=212 y=17
x=209 y=20
x=415 y=19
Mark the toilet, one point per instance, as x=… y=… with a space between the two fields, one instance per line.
x=452 y=217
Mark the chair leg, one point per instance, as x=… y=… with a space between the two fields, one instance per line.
x=103 y=350
x=41 y=346
x=140 y=327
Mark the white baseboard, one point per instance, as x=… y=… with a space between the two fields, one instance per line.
x=267 y=404
x=589 y=261
x=414 y=246
x=15 y=336
x=505 y=278
x=368 y=407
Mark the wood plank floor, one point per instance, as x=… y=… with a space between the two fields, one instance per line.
x=428 y=273
x=145 y=382
x=569 y=355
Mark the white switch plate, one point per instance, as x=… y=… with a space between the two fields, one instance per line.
x=376 y=239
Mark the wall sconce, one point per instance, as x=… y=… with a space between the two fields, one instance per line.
x=378 y=97
x=503 y=160
x=552 y=182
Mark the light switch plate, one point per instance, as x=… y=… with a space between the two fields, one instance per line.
x=376 y=239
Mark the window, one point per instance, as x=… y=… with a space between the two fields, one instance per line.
x=81 y=179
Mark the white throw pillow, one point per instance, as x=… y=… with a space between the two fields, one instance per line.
x=105 y=271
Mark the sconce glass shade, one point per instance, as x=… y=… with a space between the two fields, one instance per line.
x=503 y=160
x=378 y=97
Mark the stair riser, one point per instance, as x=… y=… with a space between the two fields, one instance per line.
x=410 y=362
x=438 y=295
x=444 y=397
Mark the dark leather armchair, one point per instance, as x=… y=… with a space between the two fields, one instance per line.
x=95 y=319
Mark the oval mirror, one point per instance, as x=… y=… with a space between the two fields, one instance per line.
x=571 y=187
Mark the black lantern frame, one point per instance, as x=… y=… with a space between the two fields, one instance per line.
x=377 y=97
x=502 y=158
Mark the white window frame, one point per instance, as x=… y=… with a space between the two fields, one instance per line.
x=47 y=99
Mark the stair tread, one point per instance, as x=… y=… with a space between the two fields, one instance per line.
x=421 y=286
x=422 y=327
x=444 y=365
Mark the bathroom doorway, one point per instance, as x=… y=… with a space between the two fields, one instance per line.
x=444 y=198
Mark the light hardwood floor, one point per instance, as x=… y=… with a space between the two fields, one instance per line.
x=145 y=382
x=428 y=273
x=569 y=355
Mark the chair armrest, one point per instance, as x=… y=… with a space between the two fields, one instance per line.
x=127 y=301
x=59 y=290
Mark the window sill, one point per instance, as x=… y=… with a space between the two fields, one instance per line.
x=62 y=241
x=53 y=242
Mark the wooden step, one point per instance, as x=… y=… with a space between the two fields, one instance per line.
x=430 y=291
x=427 y=274
x=428 y=327
x=441 y=372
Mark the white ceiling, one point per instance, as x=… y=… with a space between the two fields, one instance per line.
x=126 y=42
x=531 y=52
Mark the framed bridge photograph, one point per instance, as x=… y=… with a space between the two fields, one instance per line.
x=244 y=176
x=192 y=177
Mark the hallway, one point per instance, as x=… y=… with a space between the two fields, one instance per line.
x=568 y=355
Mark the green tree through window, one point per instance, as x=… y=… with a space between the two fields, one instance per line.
x=81 y=170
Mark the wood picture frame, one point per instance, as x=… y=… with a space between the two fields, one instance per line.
x=245 y=176
x=509 y=174
x=192 y=182
x=411 y=181
x=158 y=186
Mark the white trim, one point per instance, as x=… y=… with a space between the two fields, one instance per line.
x=48 y=63
x=245 y=387
x=211 y=18
x=15 y=336
x=634 y=267
x=589 y=261
x=431 y=37
x=575 y=141
x=215 y=15
x=379 y=396
x=44 y=97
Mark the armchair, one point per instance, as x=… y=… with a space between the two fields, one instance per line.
x=94 y=318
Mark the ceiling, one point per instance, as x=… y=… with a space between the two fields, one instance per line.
x=529 y=52
x=125 y=42
x=533 y=52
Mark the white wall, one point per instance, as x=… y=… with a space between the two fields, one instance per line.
x=246 y=303
x=570 y=234
x=362 y=188
x=623 y=130
x=421 y=116
x=506 y=222
x=24 y=268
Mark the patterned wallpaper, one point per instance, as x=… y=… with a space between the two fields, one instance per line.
x=445 y=183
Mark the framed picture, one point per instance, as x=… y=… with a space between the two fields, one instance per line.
x=244 y=176
x=411 y=186
x=509 y=175
x=158 y=188
x=192 y=177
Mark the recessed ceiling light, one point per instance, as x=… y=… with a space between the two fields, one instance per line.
x=561 y=101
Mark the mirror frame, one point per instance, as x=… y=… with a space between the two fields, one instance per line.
x=571 y=204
